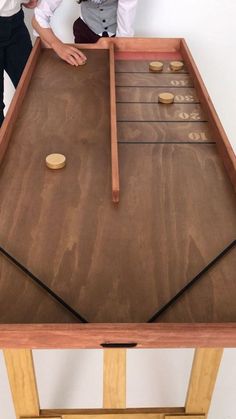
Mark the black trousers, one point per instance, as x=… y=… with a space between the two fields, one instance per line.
x=84 y=35
x=15 y=48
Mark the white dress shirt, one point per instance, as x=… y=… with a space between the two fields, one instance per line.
x=9 y=7
x=125 y=15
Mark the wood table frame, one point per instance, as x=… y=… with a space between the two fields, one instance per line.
x=18 y=340
x=22 y=380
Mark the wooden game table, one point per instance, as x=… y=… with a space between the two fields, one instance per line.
x=133 y=243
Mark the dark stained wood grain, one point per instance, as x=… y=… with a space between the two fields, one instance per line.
x=225 y=148
x=60 y=105
x=150 y=94
x=160 y=112
x=165 y=131
x=113 y=264
x=210 y=292
x=142 y=66
x=157 y=79
x=121 y=264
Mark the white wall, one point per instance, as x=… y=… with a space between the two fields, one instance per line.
x=74 y=379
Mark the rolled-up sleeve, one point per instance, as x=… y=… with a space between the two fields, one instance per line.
x=125 y=17
x=44 y=11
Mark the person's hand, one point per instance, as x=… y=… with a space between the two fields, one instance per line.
x=69 y=54
x=31 y=4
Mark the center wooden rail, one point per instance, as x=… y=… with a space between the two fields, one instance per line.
x=114 y=144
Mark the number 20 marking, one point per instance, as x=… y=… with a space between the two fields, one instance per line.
x=193 y=115
x=179 y=82
x=184 y=98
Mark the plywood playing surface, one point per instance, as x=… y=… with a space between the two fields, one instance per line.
x=177 y=209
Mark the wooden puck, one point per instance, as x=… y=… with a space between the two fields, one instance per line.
x=166 y=98
x=176 y=65
x=55 y=161
x=156 y=66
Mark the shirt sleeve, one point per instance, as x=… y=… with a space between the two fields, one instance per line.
x=44 y=11
x=125 y=17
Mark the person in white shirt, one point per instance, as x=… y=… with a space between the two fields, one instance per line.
x=15 y=43
x=99 y=18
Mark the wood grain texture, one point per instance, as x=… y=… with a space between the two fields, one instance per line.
x=141 y=66
x=101 y=412
x=147 y=55
x=21 y=375
x=223 y=144
x=114 y=379
x=164 y=132
x=173 y=195
x=88 y=336
x=204 y=372
x=155 y=80
x=191 y=184
x=58 y=102
x=148 y=94
x=160 y=112
x=114 y=146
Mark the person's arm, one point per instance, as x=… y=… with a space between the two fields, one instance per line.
x=41 y=23
x=125 y=17
x=31 y=4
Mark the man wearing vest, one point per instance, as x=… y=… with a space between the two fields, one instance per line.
x=99 y=18
x=15 y=43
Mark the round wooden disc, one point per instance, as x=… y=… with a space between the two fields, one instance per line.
x=166 y=98
x=156 y=66
x=55 y=161
x=176 y=65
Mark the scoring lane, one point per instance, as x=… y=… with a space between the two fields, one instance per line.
x=146 y=132
x=159 y=112
x=153 y=80
x=142 y=66
x=150 y=94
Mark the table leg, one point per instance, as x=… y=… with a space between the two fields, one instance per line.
x=21 y=374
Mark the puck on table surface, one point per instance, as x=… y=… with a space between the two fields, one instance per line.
x=156 y=66
x=55 y=161
x=166 y=98
x=176 y=65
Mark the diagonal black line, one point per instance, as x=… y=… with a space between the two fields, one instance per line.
x=192 y=282
x=42 y=285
